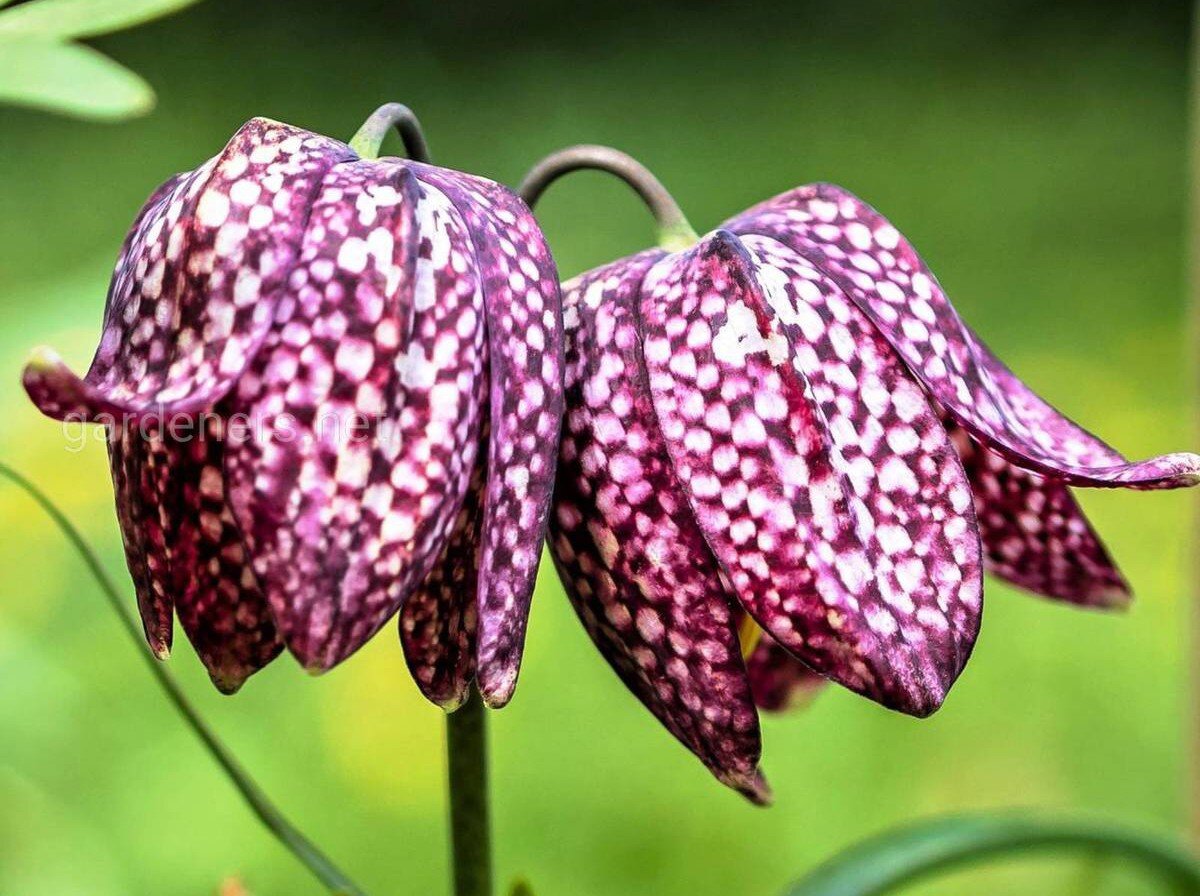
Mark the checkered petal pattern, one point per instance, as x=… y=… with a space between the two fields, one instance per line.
x=633 y=560
x=331 y=332
x=787 y=433
x=880 y=271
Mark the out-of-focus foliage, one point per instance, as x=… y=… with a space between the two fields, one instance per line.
x=40 y=66
x=1035 y=155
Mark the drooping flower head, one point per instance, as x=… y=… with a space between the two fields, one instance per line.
x=333 y=386
x=783 y=443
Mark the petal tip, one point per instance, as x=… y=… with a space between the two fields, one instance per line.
x=227 y=684
x=449 y=704
x=42 y=359
x=924 y=697
x=753 y=786
x=1116 y=598
x=497 y=687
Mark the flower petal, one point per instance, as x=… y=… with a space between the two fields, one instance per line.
x=821 y=478
x=524 y=323
x=1034 y=533
x=882 y=273
x=184 y=550
x=439 y=620
x=193 y=293
x=140 y=479
x=634 y=563
x=778 y=680
x=220 y=605
x=362 y=426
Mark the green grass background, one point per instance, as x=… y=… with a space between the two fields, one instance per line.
x=1035 y=154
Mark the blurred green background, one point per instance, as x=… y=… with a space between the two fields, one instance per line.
x=1035 y=153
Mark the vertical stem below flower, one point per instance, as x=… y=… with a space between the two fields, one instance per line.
x=305 y=851
x=470 y=821
x=1192 y=648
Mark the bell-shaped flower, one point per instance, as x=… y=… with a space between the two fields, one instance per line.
x=333 y=388
x=787 y=426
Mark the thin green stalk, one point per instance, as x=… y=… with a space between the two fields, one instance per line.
x=891 y=860
x=300 y=846
x=674 y=232
x=1192 y=692
x=369 y=139
x=470 y=824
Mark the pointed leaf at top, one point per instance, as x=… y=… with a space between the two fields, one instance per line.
x=83 y=18
x=70 y=79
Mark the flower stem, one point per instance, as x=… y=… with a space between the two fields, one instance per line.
x=674 y=231
x=470 y=824
x=295 y=842
x=370 y=136
x=1192 y=690
x=895 y=858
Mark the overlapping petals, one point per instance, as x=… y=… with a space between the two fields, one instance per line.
x=787 y=426
x=882 y=274
x=365 y=357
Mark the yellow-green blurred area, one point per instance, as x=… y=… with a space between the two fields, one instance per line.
x=1035 y=153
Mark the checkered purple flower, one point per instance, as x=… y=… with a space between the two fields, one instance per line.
x=304 y=357
x=788 y=431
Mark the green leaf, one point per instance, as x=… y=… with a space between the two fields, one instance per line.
x=83 y=18
x=69 y=78
x=882 y=864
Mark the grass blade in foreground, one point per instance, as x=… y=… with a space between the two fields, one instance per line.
x=904 y=855
x=296 y=843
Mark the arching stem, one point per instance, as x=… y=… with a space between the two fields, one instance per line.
x=674 y=231
x=295 y=842
x=370 y=136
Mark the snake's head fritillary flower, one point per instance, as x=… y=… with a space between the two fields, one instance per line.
x=787 y=427
x=334 y=392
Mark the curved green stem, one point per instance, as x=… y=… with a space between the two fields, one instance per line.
x=891 y=860
x=470 y=824
x=370 y=136
x=674 y=231
x=295 y=842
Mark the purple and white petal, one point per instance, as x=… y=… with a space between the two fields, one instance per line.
x=1034 y=533
x=632 y=559
x=193 y=293
x=878 y=268
x=218 y=600
x=521 y=299
x=778 y=680
x=362 y=425
x=141 y=482
x=439 y=619
x=859 y=556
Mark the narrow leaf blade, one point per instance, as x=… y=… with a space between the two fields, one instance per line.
x=886 y=862
x=84 y=18
x=70 y=79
